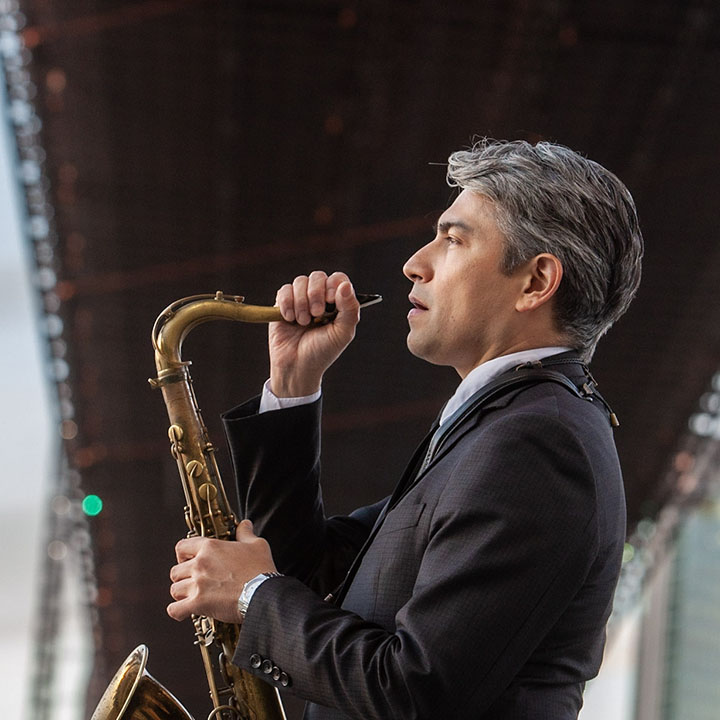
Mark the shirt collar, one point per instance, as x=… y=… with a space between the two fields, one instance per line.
x=489 y=370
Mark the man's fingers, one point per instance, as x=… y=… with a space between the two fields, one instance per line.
x=285 y=302
x=180 y=610
x=179 y=572
x=300 y=299
x=181 y=589
x=316 y=291
x=333 y=282
x=187 y=548
x=306 y=296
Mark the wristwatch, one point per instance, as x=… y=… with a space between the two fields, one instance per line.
x=249 y=589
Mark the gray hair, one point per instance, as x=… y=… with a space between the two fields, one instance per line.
x=550 y=199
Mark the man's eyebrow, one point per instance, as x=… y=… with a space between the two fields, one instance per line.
x=447 y=225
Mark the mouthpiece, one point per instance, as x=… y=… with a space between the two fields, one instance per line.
x=331 y=311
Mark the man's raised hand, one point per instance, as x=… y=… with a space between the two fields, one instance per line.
x=300 y=351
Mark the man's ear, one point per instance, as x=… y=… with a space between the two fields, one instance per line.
x=542 y=276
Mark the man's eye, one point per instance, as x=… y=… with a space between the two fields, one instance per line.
x=452 y=240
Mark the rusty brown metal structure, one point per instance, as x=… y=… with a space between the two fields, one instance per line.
x=193 y=145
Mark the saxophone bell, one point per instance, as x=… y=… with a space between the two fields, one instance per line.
x=134 y=694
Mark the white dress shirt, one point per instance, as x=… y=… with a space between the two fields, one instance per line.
x=481 y=375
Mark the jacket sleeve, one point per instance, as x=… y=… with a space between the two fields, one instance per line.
x=509 y=544
x=276 y=462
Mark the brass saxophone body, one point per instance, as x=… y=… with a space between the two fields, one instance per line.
x=235 y=693
x=133 y=694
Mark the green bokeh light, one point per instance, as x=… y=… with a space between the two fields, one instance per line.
x=92 y=505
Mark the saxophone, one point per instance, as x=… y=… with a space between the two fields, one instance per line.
x=133 y=694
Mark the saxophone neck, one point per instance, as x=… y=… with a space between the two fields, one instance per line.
x=178 y=319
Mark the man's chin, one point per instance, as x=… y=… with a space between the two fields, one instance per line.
x=428 y=352
x=418 y=348
x=411 y=344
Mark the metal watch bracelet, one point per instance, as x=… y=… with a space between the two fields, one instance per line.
x=249 y=589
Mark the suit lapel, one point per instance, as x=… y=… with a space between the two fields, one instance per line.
x=411 y=479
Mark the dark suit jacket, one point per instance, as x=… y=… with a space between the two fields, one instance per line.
x=483 y=594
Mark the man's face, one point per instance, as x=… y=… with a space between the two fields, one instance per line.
x=464 y=305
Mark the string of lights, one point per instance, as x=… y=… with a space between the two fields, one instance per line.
x=68 y=547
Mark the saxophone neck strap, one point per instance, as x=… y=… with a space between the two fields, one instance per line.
x=522 y=376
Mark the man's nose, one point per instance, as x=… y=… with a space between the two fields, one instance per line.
x=417 y=267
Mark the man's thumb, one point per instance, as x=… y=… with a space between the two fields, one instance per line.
x=244 y=530
x=346 y=303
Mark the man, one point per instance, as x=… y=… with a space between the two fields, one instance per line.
x=481 y=589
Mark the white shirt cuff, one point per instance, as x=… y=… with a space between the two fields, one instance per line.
x=269 y=401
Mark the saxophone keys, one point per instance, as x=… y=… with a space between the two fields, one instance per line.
x=222 y=665
x=175 y=433
x=204 y=630
x=189 y=521
x=194 y=468
x=208 y=492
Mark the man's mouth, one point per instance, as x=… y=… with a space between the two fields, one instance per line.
x=417 y=306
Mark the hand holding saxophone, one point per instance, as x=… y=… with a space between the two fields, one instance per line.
x=210 y=574
x=300 y=351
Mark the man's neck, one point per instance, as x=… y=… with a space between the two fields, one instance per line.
x=490 y=369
